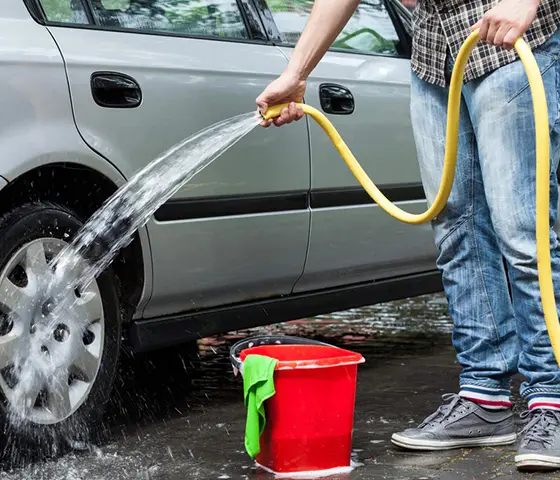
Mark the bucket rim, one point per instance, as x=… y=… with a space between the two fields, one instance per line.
x=350 y=358
x=262 y=340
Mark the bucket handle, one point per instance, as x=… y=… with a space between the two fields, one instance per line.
x=262 y=340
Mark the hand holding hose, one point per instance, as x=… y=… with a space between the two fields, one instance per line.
x=287 y=89
x=507 y=21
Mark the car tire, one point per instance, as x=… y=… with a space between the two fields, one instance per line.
x=24 y=437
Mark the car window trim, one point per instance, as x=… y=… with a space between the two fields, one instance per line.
x=405 y=12
x=245 y=18
x=269 y=26
x=89 y=11
x=135 y=31
x=404 y=38
x=249 y=6
x=36 y=11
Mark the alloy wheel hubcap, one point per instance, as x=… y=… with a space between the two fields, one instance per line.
x=48 y=361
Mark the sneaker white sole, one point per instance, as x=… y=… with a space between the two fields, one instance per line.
x=534 y=461
x=418 y=444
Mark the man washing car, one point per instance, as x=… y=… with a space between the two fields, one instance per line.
x=490 y=216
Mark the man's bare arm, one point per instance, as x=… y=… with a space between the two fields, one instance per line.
x=326 y=21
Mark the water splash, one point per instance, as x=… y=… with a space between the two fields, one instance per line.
x=111 y=228
x=97 y=243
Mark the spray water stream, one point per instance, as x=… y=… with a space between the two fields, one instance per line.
x=80 y=262
x=111 y=228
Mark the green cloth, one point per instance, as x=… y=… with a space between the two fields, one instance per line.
x=258 y=386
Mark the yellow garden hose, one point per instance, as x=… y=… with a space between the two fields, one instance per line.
x=542 y=165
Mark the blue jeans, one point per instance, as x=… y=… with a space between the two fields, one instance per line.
x=485 y=237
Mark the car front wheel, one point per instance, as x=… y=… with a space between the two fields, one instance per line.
x=56 y=372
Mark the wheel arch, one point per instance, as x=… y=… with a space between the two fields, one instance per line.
x=83 y=189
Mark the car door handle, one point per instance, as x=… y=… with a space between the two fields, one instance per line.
x=115 y=90
x=336 y=99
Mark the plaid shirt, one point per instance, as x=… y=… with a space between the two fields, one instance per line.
x=445 y=24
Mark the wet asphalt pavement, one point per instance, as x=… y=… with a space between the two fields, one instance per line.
x=179 y=414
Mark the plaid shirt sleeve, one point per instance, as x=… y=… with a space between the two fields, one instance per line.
x=440 y=25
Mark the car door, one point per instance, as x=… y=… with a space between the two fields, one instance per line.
x=363 y=86
x=240 y=229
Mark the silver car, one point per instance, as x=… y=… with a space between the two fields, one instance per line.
x=276 y=229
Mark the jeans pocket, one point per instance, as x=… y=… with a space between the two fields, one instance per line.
x=545 y=62
x=446 y=227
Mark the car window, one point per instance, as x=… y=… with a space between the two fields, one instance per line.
x=65 y=11
x=370 y=30
x=214 y=18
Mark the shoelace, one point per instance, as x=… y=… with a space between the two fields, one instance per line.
x=538 y=427
x=450 y=402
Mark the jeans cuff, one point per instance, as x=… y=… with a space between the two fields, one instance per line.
x=536 y=390
x=491 y=384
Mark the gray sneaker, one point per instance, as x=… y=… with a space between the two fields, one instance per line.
x=539 y=445
x=459 y=423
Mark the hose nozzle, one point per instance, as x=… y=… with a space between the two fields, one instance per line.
x=275 y=111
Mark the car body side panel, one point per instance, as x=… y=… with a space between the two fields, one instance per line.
x=351 y=244
x=188 y=84
x=14 y=10
x=37 y=127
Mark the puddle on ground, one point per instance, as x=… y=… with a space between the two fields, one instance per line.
x=396 y=328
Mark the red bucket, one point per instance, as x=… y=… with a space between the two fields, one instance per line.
x=309 y=421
